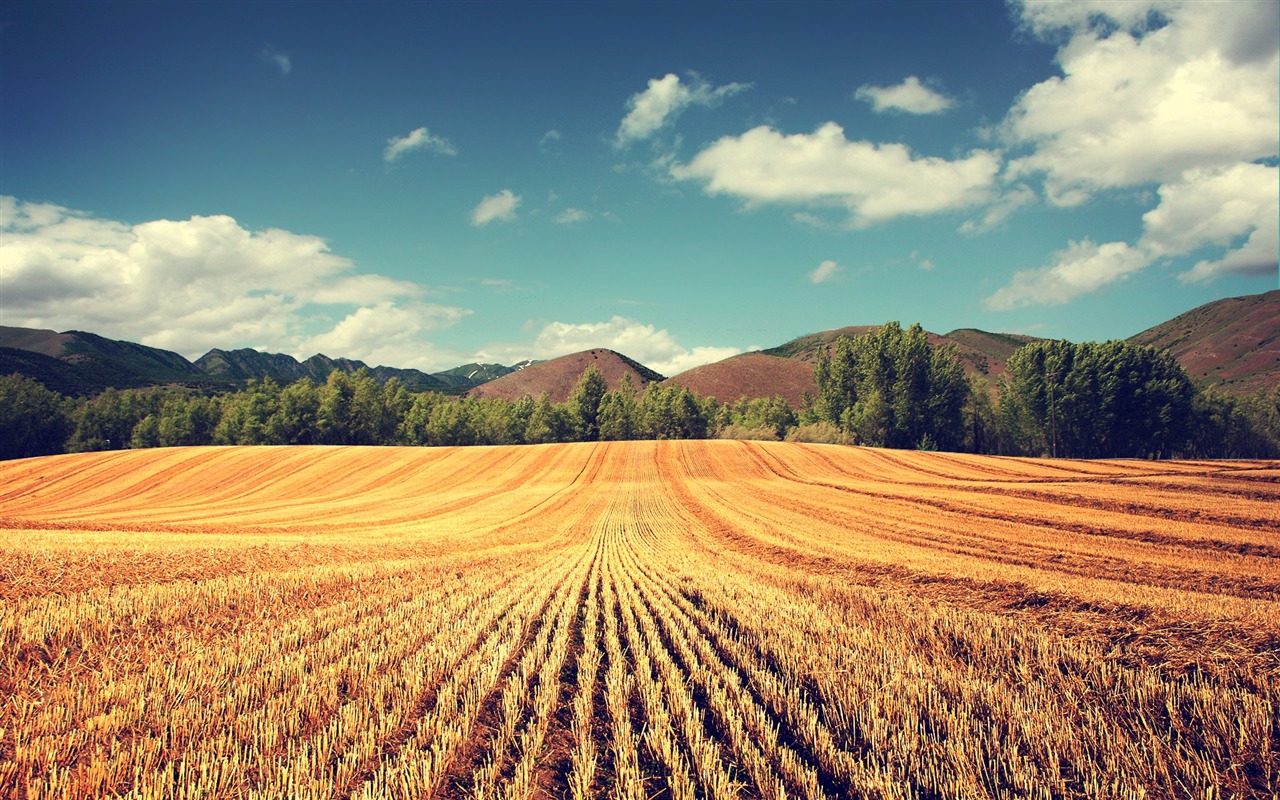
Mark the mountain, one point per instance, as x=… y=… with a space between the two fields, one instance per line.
x=751 y=375
x=558 y=376
x=474 y=374
x=80 y=363
x=1232 y=343
x=87 y=363
x=243 y=364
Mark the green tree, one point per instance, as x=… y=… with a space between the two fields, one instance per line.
x=585 y=402
x=34 y=421
x=187 y=420
x=450 y=425
x=771 y=415
x=618 y=412
x=333 y=417
x=294 y=420
x=106 y=422
x=890 y=388
x=414 y=425
x=146 y=433
x=246 y=415
x=1095 y=400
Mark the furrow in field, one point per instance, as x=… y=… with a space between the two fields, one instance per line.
x=428 y=754
x=771 y=768
x=1148 y=624
x=209 y=721
x=635 y=620
x=1066 y=505
x=1032 y=537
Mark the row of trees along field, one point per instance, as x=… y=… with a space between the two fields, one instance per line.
x=886 y=389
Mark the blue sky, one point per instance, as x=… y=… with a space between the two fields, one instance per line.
x=423 y=185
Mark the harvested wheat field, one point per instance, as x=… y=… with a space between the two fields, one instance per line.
x=636 y=620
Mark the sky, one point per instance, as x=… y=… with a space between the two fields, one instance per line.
x=423 y=185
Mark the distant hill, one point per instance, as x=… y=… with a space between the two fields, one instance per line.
x=1232 y=343
x=558 y=376
x=475 y=374
x=982 y=352
x=247 y=363
x=88 y=363
x=80 y=363
x=751 y=375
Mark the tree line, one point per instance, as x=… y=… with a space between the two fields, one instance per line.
x=888 y=388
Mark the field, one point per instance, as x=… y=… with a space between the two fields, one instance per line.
x=634 y=620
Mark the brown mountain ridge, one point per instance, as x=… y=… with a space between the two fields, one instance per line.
x=558 y=376
x=1233 y=343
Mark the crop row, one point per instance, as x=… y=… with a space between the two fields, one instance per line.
x=687 y=620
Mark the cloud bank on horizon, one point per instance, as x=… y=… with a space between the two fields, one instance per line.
x=1170 y=106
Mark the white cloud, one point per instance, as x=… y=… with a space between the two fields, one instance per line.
x=417 y=139
x=1232 y=211
x=1235 y=209
x=549 y=138
x=282 y=61
x=1081 y=268
x=191 y=285
x=650 y=346
x=389 y=334
x=824 y=272
x=570 y=216
x=663 y=101
x=998 y=213
x=1183 y=95
x=1143 y=103
x=501 y=206
x=910 y=96
x=874 y=182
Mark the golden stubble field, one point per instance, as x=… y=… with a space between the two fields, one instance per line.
x=635 y=620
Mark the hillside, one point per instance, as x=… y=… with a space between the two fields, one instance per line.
x=80 y=363
x=751 y=375
x=246 y=363
x=87 y=363
x=558 y=376
x=1232 y=343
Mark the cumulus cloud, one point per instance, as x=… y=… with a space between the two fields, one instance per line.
x=911 y=96
x=664 y=100
x=1183 y=95
x=824 y=272
x=653 y=347
x=501 y=207
x=1081 y=268
x=1139 y=103
x=191 y=285
x=875 y=182
x=417 y=139
x=1233 y=210
x=389 y=333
